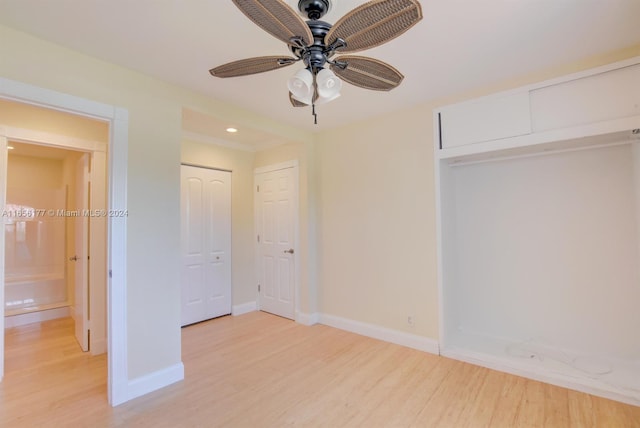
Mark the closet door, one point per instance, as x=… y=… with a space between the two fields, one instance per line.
x=205 y=243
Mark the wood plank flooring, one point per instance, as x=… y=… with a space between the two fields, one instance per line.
x=259 y=370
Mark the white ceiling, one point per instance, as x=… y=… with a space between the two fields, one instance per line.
x=458 y=46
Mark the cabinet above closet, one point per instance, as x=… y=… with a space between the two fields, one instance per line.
x=595 y=102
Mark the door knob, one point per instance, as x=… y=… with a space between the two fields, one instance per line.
x=290 y=251
x=73 y=259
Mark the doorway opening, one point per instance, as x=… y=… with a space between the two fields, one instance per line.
x=46 y=228
x=113 y=229
x=55 y=191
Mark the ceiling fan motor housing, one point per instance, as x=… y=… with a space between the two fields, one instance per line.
x=314 y=9
x=315 y=56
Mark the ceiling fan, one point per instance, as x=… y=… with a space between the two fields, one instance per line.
x=315 y=43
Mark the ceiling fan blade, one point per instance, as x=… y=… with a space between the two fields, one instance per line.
x=276 y=18
x=374 y=23
x=367 y=73
x=295 y=102
x=248 y=66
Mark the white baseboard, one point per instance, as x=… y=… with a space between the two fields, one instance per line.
x=244 y=308
x=587 y=385
x=307 y=319
x=154 y=381
x=414 y=341
x=31 y=317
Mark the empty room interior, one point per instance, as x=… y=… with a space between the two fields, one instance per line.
x=430 y=218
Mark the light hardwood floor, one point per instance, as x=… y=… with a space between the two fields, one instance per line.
x=259 y=370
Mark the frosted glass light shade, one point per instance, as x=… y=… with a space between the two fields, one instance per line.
x=324 y=100
x=301 y=85
x=328 y=84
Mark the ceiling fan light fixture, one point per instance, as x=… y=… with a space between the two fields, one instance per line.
x=301 y=85
x=315 y=42
x=323 y=100
x=329 y=85
x=305 y=100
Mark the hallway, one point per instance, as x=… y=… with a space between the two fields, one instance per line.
x=44 y=357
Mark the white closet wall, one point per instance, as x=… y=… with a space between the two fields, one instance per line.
x=539 y=231
x=548 y=243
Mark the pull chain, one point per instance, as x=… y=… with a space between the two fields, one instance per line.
x=313 y=97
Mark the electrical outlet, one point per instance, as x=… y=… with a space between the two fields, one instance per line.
x=411 y=320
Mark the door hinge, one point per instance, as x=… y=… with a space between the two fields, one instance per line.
x=110 y=273
x=258 y=288
x=258 y=189
x=258 y=239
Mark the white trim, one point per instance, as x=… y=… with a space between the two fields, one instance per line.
x=49 y=139
x=409 y=340
x=526 y=142
x=117 y=237
x=307 y=319
x=276 y=167
x=154 y=381
x=3 y=191
x=195 y=165
x=117 y=259
x=589 y=386
x=244 y=308
x=555 y=81
x=38 y=316
x=34 y=95
x=438 y=207
x=207 y=139
x=624 y=140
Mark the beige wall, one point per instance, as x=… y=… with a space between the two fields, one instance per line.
x=27 y=116
x=28 y=172
x=376 y=234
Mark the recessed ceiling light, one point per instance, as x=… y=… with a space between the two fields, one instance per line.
x=232 y=130
x=10 y=147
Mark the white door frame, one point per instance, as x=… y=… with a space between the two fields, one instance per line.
x=296 y=229
x=3 y=194
x=117 y=378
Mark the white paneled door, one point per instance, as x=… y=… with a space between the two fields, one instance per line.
x=276 y=211
x=205 y=243
x=81 y=259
